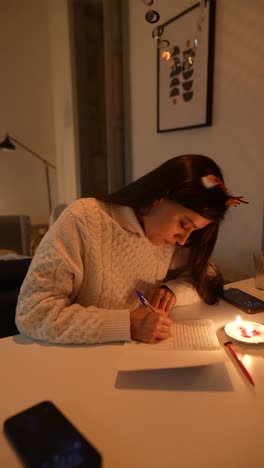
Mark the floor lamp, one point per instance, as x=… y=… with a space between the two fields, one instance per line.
x=8 y=145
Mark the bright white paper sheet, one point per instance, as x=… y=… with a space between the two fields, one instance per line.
x=193 y=343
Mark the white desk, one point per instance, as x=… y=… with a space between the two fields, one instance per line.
x=203 y=417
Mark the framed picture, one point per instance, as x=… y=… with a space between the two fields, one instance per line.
x=185 y=79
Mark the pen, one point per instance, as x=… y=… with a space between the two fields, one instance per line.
x=231 y=348
x=144 y=301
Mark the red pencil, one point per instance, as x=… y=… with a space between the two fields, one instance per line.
x=231 y=348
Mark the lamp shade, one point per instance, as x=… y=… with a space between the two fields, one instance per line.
x=7 y=144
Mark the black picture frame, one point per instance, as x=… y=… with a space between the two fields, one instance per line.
x=185 y=101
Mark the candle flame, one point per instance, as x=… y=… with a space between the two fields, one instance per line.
x=238 y=320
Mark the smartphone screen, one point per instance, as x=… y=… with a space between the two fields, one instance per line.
x=248 y=303
x=45 y=438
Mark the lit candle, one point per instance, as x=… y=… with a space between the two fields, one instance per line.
x=246 y=331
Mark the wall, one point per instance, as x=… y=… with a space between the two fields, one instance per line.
x=26 y=107
x=36 y=106
x=63 y=81
x=235 y=140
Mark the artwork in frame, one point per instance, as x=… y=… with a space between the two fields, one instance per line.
x=184 y=84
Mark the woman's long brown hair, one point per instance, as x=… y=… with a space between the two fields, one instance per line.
x=180 y=179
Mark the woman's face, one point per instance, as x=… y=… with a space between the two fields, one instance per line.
x=171 y=223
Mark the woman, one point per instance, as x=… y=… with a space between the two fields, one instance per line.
x=156 y=235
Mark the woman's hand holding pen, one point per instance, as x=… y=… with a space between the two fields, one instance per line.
x=151 y=323
x=162 y=298
x=149 y=326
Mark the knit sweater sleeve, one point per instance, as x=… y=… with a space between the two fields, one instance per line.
x=184 y=291
x=46 y=308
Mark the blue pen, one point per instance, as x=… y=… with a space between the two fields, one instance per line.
x=144 y=301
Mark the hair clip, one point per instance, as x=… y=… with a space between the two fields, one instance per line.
x=211 y=180
x=234 y=201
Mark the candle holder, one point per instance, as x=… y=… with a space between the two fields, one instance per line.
x=245 y=331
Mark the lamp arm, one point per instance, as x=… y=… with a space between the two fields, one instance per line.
x=47 y=163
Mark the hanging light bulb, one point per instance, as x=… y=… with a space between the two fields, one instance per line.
x=176 y=65
x=166 y=55
x=152 y=16
x=157 y=32
x=163 y=44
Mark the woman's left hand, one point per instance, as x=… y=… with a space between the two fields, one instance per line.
x=162 y=298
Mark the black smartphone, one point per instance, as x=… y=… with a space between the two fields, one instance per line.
x=45 y=438
x=248 y=303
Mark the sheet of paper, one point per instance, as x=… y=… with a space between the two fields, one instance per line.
x=193 y=343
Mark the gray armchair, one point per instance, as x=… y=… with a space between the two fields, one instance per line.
x=15 y=233
x=12 y=274
x=15 y=236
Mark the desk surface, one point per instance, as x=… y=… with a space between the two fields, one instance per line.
x=203 y=417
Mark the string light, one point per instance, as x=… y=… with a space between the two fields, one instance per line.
x=166 y=55
x=152 y=16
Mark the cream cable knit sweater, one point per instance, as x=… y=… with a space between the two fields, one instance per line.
x=80 y=287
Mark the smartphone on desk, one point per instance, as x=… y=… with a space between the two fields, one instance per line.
x=45 y=438
x=246 y=302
